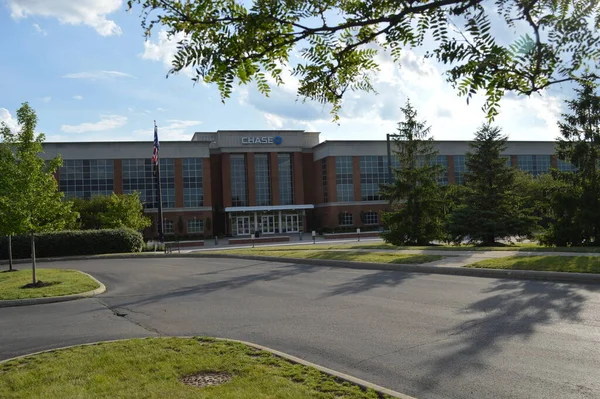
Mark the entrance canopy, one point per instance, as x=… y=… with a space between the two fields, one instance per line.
x=268 y=208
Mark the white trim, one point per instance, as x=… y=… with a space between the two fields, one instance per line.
x=351 y=203
x=268 y=208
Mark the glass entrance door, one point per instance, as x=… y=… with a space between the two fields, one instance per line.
x=291 y=223
x=268 y=224
x=243 y=225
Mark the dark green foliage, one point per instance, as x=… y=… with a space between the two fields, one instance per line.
x=111 y=212
x=417 y=207
x=339 y=42
x=575 y=200
x=492 y=207
x=70 y=243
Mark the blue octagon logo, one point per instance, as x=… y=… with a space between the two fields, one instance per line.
x=277 y=140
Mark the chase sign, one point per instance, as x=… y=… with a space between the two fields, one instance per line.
x=277 y=140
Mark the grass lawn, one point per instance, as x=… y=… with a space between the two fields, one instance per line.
x=574 y=264
x=310 y=253
x=153 y=368
x=62 y=282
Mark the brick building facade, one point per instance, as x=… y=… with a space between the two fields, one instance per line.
x=271 y=182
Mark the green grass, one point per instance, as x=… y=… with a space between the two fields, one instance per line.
x=370 y=257
x=573 y=264
x=64 y=282
x=153 y=367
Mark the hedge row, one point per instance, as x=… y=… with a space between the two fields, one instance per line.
x=70 y=243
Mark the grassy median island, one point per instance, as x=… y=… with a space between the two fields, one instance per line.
x=572 y=264
x=158 y=367
x=310 y=253
x=58 y=282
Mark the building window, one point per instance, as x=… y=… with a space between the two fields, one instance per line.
x=195 y=226
x=344 y=185
x=324 y=179
x=534 y=164
x=460 y=167
x=441 y=160
x=508 y=160
x=138 y=175
x=373 y=173
x=86 y=178
x=193 y=192
x=168 y=227
x=286 y=191
x=346 y=219
x=262 y=179
x=371 y=218
x=239 y=194
x=565 y=166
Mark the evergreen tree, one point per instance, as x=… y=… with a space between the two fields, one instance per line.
x=416 y=215
x=576 y=202
x=493 y=207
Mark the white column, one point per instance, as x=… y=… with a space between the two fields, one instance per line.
x=255 y=222
x=280 y=223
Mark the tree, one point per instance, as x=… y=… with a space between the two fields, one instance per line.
x=416 y=214
x=576 y=202
x=37 y=204
x=112 y=212
x=8 y=220
x=492 y=207
x=226 y=40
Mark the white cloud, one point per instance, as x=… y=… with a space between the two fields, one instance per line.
x=174 y=129
x=73 y=12
x=7 y=118
x=40 y=30
x=164 y=49
x=107 y=122
x=46 y=99
x=78 y=97
x=274 y=121
x=98 y=75
x=161 y=109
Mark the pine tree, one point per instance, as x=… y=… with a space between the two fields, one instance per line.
x=576 y=203
x=416 y=217
x=493 y=207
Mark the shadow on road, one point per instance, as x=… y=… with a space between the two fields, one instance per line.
x=515 y=309
x=226 y=284
x=366 y=282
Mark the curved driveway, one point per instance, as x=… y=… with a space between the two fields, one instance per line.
x=429 y=336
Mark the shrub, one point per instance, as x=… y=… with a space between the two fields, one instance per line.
x=70 y=243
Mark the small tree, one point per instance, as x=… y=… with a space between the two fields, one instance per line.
x=38 y=205
x=416 y=215
x=8 y=218
x=492 y=207
x=112 y=211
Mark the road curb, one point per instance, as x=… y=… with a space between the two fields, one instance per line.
x=582 y=278
x=357 y=381
x=53 y=299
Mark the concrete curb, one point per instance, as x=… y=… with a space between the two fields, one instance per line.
x=52 y=299
x=583 y=278
x=357 y=381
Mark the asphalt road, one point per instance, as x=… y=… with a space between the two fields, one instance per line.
x=429 y=336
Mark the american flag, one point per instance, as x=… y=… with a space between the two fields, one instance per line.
x=156 y=146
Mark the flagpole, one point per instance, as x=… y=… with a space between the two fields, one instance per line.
x=161 y=235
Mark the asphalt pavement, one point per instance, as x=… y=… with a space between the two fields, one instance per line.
x=428 y=336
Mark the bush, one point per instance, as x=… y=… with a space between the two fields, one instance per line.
x=70 y=243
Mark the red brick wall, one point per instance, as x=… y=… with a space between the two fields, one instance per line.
x=450 y=170
x=514 y=161
x=250 y=179
x=206 y=182
x=118 y=176
x=311 y=180
x=328 y=216
x=331 y=179
x=226 y=179
x=553 y=161
x=314 y=183
x=298 y=179
x=274 y=168
x=185 y=216
x=178 y=164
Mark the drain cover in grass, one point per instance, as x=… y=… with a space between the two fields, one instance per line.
x=206 y=379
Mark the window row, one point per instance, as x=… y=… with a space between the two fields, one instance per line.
x=194 y=226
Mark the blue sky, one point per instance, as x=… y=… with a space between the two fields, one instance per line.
x=86 y=69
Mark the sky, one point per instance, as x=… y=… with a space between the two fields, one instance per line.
x=90 y=74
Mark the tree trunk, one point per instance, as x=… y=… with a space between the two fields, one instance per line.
x=10 y=262
x=33 y=258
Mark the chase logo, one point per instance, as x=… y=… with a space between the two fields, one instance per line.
x=277 y=140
